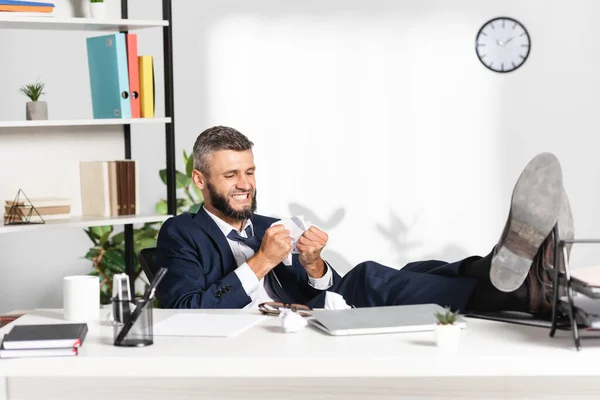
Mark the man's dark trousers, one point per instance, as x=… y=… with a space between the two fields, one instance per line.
x=372 y=284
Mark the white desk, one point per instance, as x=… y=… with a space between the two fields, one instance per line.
x=495 y=360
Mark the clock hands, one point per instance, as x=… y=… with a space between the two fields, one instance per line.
x=503 y=44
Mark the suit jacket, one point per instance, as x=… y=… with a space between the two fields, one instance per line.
x=201 y=266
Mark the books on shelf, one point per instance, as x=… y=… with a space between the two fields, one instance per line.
x=121 y=81
x=8 y=7
x=48 y=208
x=43 y=340
x=109 y=188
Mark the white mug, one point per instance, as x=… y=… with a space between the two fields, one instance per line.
x=81 y=298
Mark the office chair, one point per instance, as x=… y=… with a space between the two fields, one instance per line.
x=147 y=259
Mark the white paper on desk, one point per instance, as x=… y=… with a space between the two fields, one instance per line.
x=207 y=324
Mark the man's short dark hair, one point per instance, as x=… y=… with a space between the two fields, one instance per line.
x=215 y=139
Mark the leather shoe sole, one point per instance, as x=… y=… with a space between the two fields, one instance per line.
x=535 y=205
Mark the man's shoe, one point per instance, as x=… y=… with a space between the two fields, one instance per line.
x=535 y=206
x=566 y=231
x=539 y=280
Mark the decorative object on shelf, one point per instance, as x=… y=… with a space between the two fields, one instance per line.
x=97 y=9
x=35 y=109
x=108 y=252
x=22 y=211
x=447 y=331
x=502 y=44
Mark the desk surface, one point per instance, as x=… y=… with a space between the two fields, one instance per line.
x=487 y=349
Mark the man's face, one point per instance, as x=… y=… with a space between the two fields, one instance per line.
x=231 y=186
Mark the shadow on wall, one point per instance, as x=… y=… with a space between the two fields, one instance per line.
x=337 y=261
x=397 y=234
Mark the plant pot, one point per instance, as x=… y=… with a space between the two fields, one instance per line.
x=36 y=110
x=98 y=10
x=447 y=337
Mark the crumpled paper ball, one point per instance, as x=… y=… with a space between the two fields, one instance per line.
x=291 y=321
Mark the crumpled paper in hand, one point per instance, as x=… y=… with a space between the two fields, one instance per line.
x=334 y=301
x=291 y=321
x=297 y=226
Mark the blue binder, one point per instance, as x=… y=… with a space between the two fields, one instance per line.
x=109 y=79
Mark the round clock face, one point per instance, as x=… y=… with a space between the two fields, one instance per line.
x=502 y=44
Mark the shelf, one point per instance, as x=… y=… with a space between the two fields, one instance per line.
x=84 y=222
x=76 y=24
x=83 y=122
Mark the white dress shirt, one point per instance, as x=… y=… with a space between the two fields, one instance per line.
x=255 y=288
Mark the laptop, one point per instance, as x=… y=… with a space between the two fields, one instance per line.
x=375 y=320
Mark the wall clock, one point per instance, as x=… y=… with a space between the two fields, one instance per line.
x=502 y=44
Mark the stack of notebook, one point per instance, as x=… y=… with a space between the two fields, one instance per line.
x=35 y=209
x=43 y=340
x=25 y=8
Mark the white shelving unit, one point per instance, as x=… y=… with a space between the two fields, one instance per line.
x=51 y=23
x=77 y=24
x=84 y=222
x=83 y=122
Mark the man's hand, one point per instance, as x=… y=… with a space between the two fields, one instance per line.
x=275 y=246
x=310 y=245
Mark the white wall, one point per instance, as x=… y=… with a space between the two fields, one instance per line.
x=370 y=117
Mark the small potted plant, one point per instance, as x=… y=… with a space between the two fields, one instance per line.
x=97 y=9
x=35 y=109
x=447 y=331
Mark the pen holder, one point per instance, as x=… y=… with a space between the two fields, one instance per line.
x=138 y=332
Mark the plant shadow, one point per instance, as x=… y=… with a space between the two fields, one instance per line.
x=397 y=233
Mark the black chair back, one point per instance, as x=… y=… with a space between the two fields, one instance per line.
x=147 y=259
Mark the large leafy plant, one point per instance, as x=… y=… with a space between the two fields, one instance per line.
x=108 y=251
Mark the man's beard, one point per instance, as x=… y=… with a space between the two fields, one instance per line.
x=221 y=203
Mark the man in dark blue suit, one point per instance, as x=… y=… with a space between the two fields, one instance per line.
x=226 y=256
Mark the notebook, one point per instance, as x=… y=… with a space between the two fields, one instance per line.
x=45 y=336
x=373 y=320
x=21 y=353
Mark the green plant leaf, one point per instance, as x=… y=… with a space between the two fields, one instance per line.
x=200 y=196
x=194 y=209
x=144 y=243
x=100 y=230
x=185 y=157
x=181 y=179
x=119 y=238
x=93 y=237
x=33 y=90
x=146 y=233
x=162 y=208
x=114 y=260
x=182 y=203
x=92 y=253
x=104 y=238
x=189 y=167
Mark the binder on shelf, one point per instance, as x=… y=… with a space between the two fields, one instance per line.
x=146 y=86
x=134 y=75
x=109 y=77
